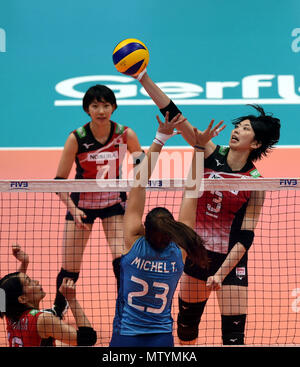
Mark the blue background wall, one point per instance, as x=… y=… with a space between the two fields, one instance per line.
x=44 y=43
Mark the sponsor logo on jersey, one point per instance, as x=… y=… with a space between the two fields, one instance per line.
x=255 y=173
x=34 y=312
x=240 y=272
x=103 y=156
x=81 y=132
x=223 y=150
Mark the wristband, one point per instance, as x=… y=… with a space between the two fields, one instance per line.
x=161 y=138
x=198 y=147
x=139 y=77
x=172 y=109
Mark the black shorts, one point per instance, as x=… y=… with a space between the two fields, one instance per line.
x=237 y=276
x=92 y=214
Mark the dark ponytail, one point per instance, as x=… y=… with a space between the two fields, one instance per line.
x=162 y=221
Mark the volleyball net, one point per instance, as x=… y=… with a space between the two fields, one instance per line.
x=32 y=215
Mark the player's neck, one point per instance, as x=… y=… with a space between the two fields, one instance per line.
x=100 y=130
x=236 y=160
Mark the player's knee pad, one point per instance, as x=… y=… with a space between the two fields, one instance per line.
x=188 y=320
x=233 y=329
x=116 y=268
x=66 y=274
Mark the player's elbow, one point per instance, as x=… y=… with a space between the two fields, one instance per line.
x=86 y=336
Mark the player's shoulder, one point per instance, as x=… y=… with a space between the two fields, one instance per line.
x=82 y=131
x=217 y=154
x=118 y=128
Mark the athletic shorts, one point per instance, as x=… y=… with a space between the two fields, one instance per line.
x=92 y=214
x=237 y=276
x=145 y=340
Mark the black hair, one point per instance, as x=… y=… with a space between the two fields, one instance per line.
x=160 y=220
x=266 y=129
x=13 y=288
x=101 y=93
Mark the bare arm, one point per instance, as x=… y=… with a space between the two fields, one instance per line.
x=133 y=226
x=237 y=252
x=188 y=208
x=51 y=326
x=65 y=165
x=133 y=144
x=185 y=128
x=21 y=256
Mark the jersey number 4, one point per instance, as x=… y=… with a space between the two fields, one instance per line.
x=144 y=291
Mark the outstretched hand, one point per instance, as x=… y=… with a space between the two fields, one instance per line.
x=68 y=289
x=202 y=138
x=168 y=127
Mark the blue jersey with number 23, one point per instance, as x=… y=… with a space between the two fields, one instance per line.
x=147 y=284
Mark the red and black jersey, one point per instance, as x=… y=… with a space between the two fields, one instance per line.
x=99 y=161
x=23 y=333
x=220 y=213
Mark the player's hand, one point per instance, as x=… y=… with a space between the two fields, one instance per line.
x=202 y=138
x=214 y=283
x=68 y=289
x=19 y=254
x=78 y=216
x=168 y=127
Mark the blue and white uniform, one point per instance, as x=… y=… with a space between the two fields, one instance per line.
x=147 y=284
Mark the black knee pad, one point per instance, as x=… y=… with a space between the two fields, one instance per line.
x=66 y=274
x=116 y=267
x=60 y=303
x=233 y=329
x=188 y=320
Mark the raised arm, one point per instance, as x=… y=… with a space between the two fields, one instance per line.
x=51 y=326
x=133 y=226
x=164 y=103
x=21 y=256
x=187 y=213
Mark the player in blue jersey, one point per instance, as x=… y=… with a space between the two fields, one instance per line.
x=153 y=261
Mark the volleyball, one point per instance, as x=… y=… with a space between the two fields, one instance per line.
x=130 y=56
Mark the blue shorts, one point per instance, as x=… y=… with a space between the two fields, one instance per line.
x=145 y=340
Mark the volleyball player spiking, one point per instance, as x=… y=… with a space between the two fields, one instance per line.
x=226 y=220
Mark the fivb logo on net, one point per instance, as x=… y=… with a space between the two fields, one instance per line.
x=250 y=89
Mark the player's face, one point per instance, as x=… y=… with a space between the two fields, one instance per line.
x=243 y=137
x=100 y=112
x=33 y=292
